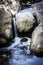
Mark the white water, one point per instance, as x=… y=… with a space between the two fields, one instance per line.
x=15 y=28
x=20 y=52
x=16 y=40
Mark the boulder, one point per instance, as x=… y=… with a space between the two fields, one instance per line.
x=37 y=11
x=12 y=5
x=36 y=14
x=36 y=45
x=6 y=31
x=24 y=21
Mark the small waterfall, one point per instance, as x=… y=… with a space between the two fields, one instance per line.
x=15 y=28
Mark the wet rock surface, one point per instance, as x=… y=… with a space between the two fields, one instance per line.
x=6 y=31
x=36 y=45
x=4 y=56
x=19 y=52
x=24 y=21
x=12 y=6
x=38 y=11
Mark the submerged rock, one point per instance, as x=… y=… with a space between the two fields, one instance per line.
x=4 y=56
x=36 y=45
x=25 y=21
x=6 y=31
x=24 y=39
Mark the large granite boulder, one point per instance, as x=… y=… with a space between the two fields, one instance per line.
x=24 y=21
x=6 y=31
x=36 y=45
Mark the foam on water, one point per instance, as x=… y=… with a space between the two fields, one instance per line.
x=20 y=52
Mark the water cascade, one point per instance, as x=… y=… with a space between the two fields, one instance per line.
x=15 y=28
x=20 y=52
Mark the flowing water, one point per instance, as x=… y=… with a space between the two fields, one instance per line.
x=20 y=52
x=15 y=29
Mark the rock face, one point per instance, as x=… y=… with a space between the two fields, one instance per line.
x=6 y=33
x=25 y=21
x=38 y=11
x=12 y=6
x=36 y=45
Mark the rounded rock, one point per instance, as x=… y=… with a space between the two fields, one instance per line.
x=25 y=21
x=6 y=31
x=36 y=45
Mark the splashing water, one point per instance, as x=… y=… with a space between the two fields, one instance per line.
x=20 y=52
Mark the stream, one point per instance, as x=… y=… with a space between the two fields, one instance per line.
x=19 y=51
